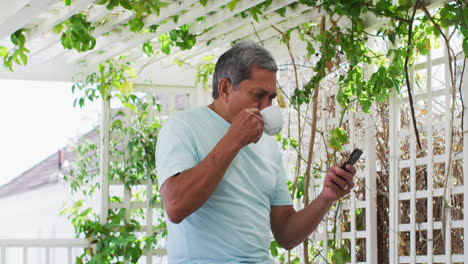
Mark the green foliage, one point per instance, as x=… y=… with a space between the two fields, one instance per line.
x=85 y=169
x=140 y=8
x=256 y=11
x=136 y=24
x=205 y=70
x=231 y=5
x=111 y=75
x=148 y=49
x=179 y=37
x=78 y=34
x=18 y=54
x=340 y=256
x=274 y=248
x=338 y=138
x=134 y=162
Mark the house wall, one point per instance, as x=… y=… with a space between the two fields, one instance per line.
x=33 y=215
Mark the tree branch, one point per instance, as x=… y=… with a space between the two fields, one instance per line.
x=410 y=95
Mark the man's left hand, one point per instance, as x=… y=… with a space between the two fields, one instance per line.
x=338 y=182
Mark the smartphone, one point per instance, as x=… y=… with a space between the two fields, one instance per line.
x=352 y=158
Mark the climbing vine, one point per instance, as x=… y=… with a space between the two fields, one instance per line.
x=18 y=54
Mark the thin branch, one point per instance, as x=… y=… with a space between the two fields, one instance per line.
x=461 y=94
x=256 y=34
x=299 y=143
x=410 y=95
x=452 y=66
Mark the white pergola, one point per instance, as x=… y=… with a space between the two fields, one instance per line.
x=49 y=61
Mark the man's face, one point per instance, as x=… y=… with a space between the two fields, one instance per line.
x=257 y=92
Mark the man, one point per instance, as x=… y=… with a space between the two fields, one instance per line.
x=221 y=179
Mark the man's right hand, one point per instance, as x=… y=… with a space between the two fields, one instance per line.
x=247 y=127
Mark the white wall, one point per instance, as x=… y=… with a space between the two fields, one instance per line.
x=36 y=214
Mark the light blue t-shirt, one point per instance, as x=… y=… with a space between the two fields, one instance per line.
x=233 y=226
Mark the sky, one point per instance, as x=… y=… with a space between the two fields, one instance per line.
x=37 y=119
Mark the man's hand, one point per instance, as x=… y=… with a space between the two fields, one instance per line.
x=247 y=127
x=338 y=182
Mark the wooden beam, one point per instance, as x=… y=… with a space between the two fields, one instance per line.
x=295 y=17
x=38 y=32
x=186 y=18
x=104 y=42
x=10 y=8
x=214 y=20
x=267 y=35
x=24 y=16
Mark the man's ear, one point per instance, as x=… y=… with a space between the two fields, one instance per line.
x=224 y=89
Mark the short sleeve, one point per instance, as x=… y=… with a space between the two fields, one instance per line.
x=282 y=195
x=175 y=150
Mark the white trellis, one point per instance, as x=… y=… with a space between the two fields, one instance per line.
x=361 y=131
x=172 y=99
x=415 y=238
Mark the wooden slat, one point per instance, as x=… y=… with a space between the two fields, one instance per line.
x=295 y=17
x=24 y=16
x=103 y=43
x=10 y=8
x=195 y=12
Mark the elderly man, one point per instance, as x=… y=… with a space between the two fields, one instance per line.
x=222 y=180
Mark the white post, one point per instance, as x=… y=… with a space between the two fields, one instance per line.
x=394 y=178
x=429 y=167
x=104 y=160
x=69 y=255
x=465 y=160
x=47 y=255
x=149 y=217
x=25 y=255
x=371 y=191
x=448 y=147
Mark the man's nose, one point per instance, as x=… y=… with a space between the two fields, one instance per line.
x=266 y=102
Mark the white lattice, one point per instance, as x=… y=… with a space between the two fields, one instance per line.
x=416 y=189
x=140 y=197
x=357 y=216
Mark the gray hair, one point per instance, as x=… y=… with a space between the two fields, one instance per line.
x=236 y=64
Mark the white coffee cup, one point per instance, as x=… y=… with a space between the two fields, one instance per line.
x=273 y=120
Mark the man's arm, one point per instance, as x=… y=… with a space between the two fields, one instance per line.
x=183 y=193
x=290 y=228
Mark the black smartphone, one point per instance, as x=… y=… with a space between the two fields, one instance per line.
x=352 y=158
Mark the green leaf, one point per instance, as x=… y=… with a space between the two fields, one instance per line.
x=203 y=2
x=165 y=43
x=130 y=71
x=465 y=46
x=148 y=49
x=340 y=256
x=136 y=24
x=231 y=5
x=274 y=248
x=131 y=107
x=3 y=52
x=112 y=4
x=67 y=2
x=308 y=2
x=58 y=28
x=310 y=49
x=281 y=12
x=125 y=4
x=24 y=58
